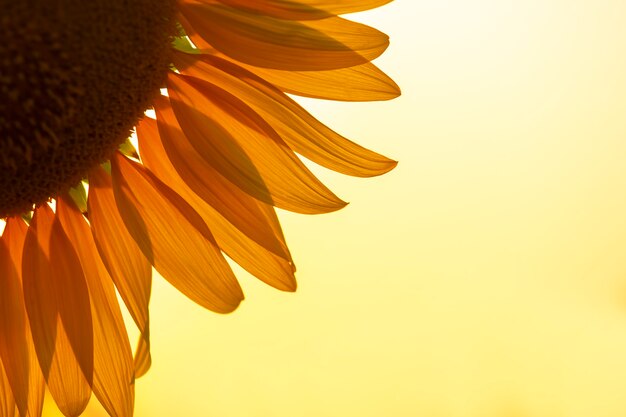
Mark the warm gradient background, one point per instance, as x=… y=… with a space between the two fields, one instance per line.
x=485 y=276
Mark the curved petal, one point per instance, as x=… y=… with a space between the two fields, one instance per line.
x=166 y=228
x=268 y=267
x=57 y=302
x=143 y=359
x=236 y=206
x=270 y=42
x=301 y=131
x=242 y=147
x=14 y=236
x=363 y=82
x=305 y=9
x=113 y=359
x=128 y=267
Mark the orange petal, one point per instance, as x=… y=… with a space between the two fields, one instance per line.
x=236 y=206
x=304 y=9
x=113 y=359
x=57 y=302
x=233 y=204
x=14 y=349
x=270 y=268
x=7 y=402
x=195 y=37
x=143 y=359
x=242 y=147
x=301 y=131
x=270 y=42
x=13 y=236
x=359 y=83
x=365 y=82
x=266 y=266
x=176 y=239
x=128 y=267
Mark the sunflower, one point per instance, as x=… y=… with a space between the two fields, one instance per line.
x=87 y=213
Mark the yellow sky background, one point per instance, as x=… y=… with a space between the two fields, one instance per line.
x=485 y=276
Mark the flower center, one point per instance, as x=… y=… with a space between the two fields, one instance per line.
x=75 y=77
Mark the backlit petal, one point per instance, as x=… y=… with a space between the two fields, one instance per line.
x=305 y=9
x=143 y=359
x=240 y=145
x=270 y=268
x=57 y=302
x=236 y=206
x=269 y=42
x=359 y=83
x=128 y=267
x=14 y=235
x=7 y=403
x=14 y=348
x=113 y=360
x=301 y=131
x=365 y=82
x=169 y=231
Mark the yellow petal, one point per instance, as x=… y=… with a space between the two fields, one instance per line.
x=301 y=131
x=113 y=360
x=236 y=206
x=270 y=42
x=174 y=237
x=276 y=271
x=240 y=145
x=13 y=236
x=128 y=267
x=305 y=9
x=7 y=403
x=57 y=302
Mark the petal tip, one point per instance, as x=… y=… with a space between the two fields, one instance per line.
x=335 y=205
x=229 y=307
x=391 y=91
x=291 y=286
x=391 y=165
x=396 y=91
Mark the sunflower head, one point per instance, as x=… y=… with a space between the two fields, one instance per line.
x=214 y=159
x=75 y=78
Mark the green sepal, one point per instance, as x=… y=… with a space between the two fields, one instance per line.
x=183 y=44
x=128 y=149
x=79 y=196
x=27 y=217
x=106 y=166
